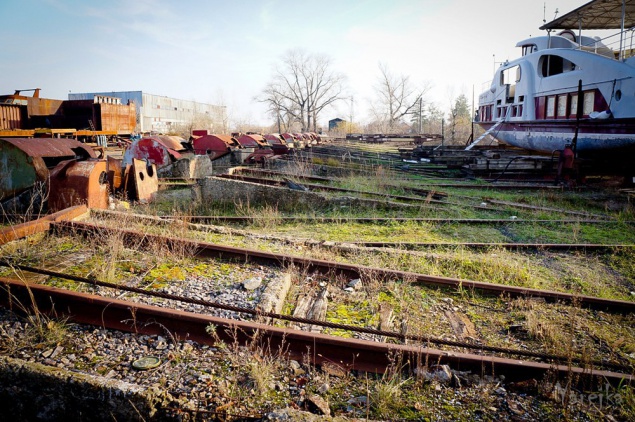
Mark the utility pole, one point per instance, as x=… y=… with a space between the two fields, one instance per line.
x=420 y=114
x=350 y=123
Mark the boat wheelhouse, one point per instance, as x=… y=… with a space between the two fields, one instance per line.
x=566 y=88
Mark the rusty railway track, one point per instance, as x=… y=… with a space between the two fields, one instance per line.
x=270 y=173
x=388 y=334
x=335 y=269
x=406 y=246
x=420 y=201
x=350 y=354
x=427 y=201
x=314 y=187
x=240 y=219
x=543 y=185
x=570 y=247
x=276 y=316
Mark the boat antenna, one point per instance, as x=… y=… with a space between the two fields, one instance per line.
x=544 y=15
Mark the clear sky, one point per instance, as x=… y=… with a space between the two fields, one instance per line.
x=223 y=51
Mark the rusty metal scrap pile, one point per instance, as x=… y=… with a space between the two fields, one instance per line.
x=69 y=173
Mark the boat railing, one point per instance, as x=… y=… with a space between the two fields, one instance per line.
x=609 y=46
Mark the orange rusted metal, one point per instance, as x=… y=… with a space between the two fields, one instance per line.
x=106 y=118
x=146 y=182
x=352 y=354
x=174 y=143
x=10 y=117
x=118 y=118
x=17 y=133
x=40 y=225
x=114 y=170
x=18 y=111
x=26 y=161
x=79 y=182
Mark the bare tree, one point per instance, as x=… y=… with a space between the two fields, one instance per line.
x=283 y=111
x=303 y=86
x=397 y=98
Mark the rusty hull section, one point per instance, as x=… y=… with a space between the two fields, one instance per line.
x=70 y=173
x=158 y=150
x=26 y=161
x=277 y=143
x=252 y=140
x=214 y=146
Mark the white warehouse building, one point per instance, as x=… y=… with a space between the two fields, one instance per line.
x=162 y=114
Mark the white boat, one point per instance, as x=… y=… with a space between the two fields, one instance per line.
x=567 y=88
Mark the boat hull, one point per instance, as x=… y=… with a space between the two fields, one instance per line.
x=551 y=135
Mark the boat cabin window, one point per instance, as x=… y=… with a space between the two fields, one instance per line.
x=562 y=105
x=588 y=106
x=573 y=105
x=510 y=76
x=550 y=65
x=551 y=106
x=528 y=49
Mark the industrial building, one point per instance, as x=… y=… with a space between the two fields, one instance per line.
x=162 y=114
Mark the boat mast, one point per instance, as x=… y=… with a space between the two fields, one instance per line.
x=544 y=21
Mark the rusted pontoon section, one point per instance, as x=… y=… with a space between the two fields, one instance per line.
x=351 y=354
x=24 y=161
x=205 y=249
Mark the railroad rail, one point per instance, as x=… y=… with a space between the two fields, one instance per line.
x=588 y=247
x=314 y=187
x=335 y=269
x=569 y=247
x=543 y=185
x=419 y=201
x=476 y=221
x=350 y=354
x=261 y=173
x=261 y=314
